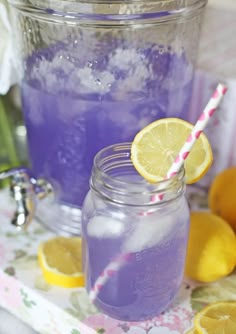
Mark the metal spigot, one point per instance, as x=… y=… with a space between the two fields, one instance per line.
x=26 y=191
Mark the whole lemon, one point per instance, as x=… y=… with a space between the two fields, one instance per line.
x=222 y=196
x=211 y=252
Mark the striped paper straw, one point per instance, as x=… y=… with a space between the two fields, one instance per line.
x=114 y=266
x=203 y=120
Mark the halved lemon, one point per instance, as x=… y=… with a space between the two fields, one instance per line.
x=61 y=261
x=156 y=146
x=217 y=318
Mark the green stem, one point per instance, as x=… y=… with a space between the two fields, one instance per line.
x=6 y=134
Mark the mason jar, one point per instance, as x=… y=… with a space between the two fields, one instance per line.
x=92 y=74
x=134 y=243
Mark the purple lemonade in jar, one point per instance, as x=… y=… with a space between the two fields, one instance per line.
x=119 y=219
x=76 y=102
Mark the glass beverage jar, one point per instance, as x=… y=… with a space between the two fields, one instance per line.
x=93 y=73
x=134 y=245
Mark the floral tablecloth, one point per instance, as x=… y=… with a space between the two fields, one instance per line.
x=53 y=310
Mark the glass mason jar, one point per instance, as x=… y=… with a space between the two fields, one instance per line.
x=93 y=73
x=134 y=245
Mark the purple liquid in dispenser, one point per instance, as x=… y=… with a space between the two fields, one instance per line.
x=77 y=101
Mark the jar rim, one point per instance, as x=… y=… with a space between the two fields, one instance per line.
x=111 y=10
x=151 y=188
x=61 y=3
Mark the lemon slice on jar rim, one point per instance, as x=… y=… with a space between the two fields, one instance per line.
x=156 y=146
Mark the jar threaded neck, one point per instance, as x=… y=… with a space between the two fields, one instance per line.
x=115 y=178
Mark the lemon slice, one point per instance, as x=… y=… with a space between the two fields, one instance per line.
x=156 y=146
x=217 y=318
x=61 y=261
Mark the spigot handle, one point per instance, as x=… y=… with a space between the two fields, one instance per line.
x=26 y=190
x=13 y=172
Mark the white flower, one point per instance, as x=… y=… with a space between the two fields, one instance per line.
x=7 y=68
x=136 y=330
x=162 y=330
x=153 y=330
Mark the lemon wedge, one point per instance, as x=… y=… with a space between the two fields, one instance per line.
x=61 y=261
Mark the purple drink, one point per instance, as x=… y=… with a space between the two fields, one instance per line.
x=76 y=102
x=119 y=218
x=148 y=283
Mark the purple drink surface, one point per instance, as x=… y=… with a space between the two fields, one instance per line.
x=74 y=106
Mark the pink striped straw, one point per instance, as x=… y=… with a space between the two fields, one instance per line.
x=114 y=266
x=203 y=120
